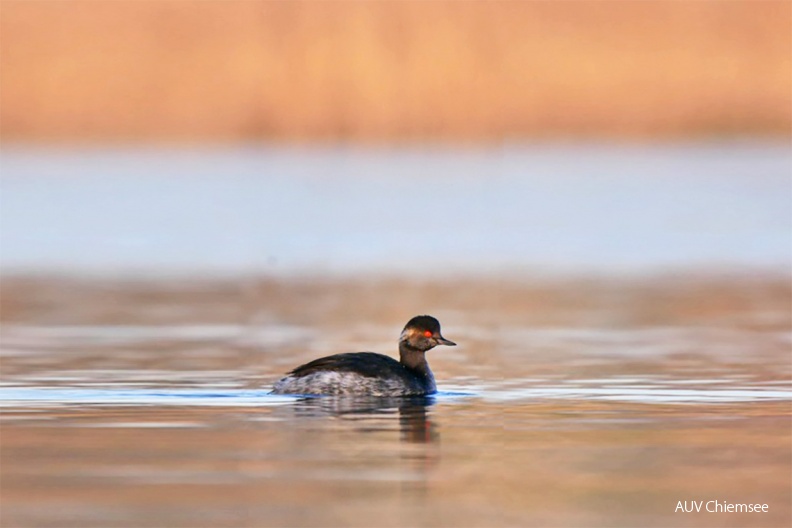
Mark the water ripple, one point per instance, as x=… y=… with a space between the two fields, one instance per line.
x=46 y=397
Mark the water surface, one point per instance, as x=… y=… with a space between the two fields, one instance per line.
x=622 y=315
x=559 y=208
x=597 y=412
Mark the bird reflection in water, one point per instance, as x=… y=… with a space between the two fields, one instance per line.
x=374 y=420
x=415 y=425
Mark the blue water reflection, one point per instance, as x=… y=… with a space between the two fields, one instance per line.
x=559 y=208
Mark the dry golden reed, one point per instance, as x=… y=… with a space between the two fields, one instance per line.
x=381 y=71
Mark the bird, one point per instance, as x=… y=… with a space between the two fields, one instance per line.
x=369 y=373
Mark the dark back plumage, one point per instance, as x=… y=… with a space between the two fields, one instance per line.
x=368 y=364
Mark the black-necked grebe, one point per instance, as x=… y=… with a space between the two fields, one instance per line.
x=370 y=374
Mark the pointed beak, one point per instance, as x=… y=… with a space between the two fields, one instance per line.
x=443 y=341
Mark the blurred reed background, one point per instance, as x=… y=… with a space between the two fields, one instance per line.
x=592 y=196
x=229 y=71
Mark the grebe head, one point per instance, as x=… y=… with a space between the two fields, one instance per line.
x=423 y=333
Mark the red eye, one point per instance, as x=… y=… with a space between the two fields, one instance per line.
x=428 y=333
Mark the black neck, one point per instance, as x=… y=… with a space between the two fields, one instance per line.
x=413 y=358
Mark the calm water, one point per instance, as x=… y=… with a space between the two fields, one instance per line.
x=134 y=394
x=570 y=209
x=145 y=404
